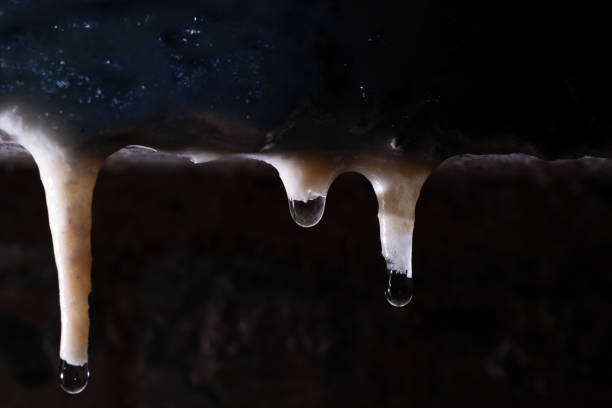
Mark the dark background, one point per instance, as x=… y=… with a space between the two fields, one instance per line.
x=207 y=294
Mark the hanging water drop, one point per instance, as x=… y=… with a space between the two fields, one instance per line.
x=307 y=213
x=73 y=379
x=399 y=288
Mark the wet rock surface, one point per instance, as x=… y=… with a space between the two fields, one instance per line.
x=206 y=293
x=436 y=77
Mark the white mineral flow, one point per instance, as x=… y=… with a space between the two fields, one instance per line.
x=68 y=179
x=397 y=184
x=307 y=178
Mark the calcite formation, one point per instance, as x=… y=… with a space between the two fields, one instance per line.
x=315 y=89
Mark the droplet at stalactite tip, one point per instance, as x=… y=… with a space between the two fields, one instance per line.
x=307 y=213
x=399 y=288
x=73 y=379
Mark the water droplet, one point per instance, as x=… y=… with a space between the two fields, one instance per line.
x=307 y=213
x=399 y=288
x=73 y=379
